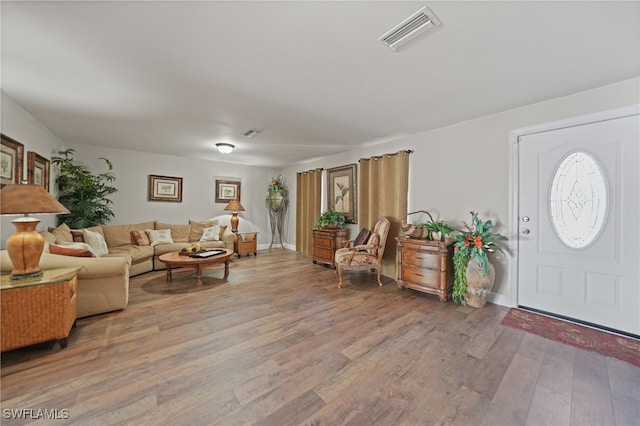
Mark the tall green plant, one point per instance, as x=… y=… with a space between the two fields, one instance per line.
x=85 y=194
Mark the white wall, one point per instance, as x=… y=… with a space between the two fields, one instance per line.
x=23 y=127
x=132 y=168
x=465 y=166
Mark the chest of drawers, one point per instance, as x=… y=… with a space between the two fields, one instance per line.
x=325 y=243
x=426 y=266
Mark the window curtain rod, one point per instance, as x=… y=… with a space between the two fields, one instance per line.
x=391 y=154
x=311 y=171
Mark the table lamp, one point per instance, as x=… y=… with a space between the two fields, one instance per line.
x=234 y=207
x=26 y=244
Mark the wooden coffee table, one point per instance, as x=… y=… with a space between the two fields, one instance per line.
x=176 y=260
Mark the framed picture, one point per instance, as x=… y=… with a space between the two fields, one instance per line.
x=165 y=188
x=11 y=161
x=342 y=191
x=227 y=190
x=37 y=170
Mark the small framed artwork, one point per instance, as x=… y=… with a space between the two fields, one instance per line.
x=342 y=191
x=165 y=188
x=227 y=190
x=11 y=161
x=37 y=170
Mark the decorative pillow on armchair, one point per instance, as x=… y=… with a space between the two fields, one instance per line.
x=362 y=237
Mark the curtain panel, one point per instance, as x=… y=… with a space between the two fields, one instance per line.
x=308 y=205
x=384 y=187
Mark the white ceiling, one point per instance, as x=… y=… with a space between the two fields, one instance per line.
x=177 y=77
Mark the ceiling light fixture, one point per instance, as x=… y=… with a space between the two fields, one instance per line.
x=225 y=148
x=416 y=24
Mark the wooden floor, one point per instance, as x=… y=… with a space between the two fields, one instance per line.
x=279 y=344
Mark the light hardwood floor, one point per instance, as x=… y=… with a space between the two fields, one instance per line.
x=279 y=344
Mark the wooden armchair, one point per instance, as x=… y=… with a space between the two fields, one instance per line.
x=367 y=257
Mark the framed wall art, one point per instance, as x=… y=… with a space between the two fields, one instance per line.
x=165 y=188
x=37 y=170
x=227 y=190
x=11 y=161
x=342 y=191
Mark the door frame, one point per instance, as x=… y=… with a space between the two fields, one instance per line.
x=514 y=180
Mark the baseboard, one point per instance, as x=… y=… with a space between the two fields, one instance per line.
x=498 y=299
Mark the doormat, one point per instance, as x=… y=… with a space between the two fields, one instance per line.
x=622 y=348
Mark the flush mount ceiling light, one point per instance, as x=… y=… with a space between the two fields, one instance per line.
x=225 y=148
x=416 y=24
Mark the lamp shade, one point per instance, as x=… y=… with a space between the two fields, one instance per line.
x=234 y=206
x=28 y=199
x=25 y=245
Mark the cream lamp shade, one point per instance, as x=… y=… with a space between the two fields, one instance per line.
x=26 y=244
x=234 y=207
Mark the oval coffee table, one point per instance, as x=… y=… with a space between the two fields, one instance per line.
x=176 y=260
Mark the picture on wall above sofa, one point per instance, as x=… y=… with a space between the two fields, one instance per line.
x=165 y=188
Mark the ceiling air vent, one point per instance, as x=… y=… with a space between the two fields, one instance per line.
x=251 y=133
x=416 y=24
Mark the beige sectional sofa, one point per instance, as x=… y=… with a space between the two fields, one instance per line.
x=103 y=282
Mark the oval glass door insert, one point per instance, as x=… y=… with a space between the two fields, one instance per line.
x=578 y=200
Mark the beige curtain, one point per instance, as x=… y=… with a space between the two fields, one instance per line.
x=384 y=185
x=308 y=205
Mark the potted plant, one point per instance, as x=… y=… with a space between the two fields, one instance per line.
x=330 y=219
x=438 y=229
x=85 y=194
x=473 y=274
x=277 y=194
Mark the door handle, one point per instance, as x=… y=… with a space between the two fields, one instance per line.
x=525 y=231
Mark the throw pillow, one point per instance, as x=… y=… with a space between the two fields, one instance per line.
x=141 y=237
x=62 y=234
x=374 y=240
x=362 y=237
x=71 y=249
x=77 y=235
x=159 y=236
x=96 y=241
x=211 y=233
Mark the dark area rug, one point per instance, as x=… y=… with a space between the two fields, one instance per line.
x=609 y=344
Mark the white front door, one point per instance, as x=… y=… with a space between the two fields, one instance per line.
x=579 y=222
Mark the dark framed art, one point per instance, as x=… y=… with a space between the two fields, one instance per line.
x=165 y=188
x=342 y=191
x=38 y=170
x=11 y=161
x=227 y=190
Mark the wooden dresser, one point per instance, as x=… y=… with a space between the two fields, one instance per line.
x=325 y=243
x=425 y=266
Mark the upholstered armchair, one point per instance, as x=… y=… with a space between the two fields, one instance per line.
x=365 y=257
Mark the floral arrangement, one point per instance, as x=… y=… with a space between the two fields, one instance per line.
x=474 y=243
x=277 y=193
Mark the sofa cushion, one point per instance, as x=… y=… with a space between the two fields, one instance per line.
x=179 y=233
x=62 y=233
x=120 y=235
x=159 y=236
x=197 y=227
x=96 y=241
x=71 y=249
x=136 y=253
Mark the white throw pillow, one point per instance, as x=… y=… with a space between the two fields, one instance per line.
x=159 y=236
x=96 y=241
x=211 y=233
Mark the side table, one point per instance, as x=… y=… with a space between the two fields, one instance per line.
x=38 y=309
x=246 y=242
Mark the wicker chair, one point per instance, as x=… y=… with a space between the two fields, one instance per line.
x=367 y=257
